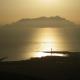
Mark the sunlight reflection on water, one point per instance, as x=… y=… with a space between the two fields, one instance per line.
x=46 y=38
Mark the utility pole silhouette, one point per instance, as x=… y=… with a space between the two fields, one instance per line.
x=51 y=51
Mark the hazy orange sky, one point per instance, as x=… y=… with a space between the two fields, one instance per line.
x=13 y=10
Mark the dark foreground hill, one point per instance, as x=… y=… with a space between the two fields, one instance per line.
x=46 y=68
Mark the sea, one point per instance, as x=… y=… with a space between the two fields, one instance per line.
x=22 y=43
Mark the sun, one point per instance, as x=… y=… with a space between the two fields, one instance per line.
x=47 y=2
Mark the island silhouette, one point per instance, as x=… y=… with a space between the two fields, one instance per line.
x=43 y=22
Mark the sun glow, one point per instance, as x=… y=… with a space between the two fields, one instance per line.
x=50 y=2
x=47 y=40
x=47 y=1
x=44 y=40
x=41 y=54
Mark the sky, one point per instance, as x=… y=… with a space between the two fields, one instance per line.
x=13 y=10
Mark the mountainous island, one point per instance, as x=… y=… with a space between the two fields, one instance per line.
x=42 y=22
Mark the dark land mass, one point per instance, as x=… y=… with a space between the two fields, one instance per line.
x=45 y=68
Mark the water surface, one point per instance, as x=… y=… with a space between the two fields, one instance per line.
x=25 y=43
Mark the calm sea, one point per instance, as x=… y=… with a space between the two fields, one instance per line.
x=25 y=43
